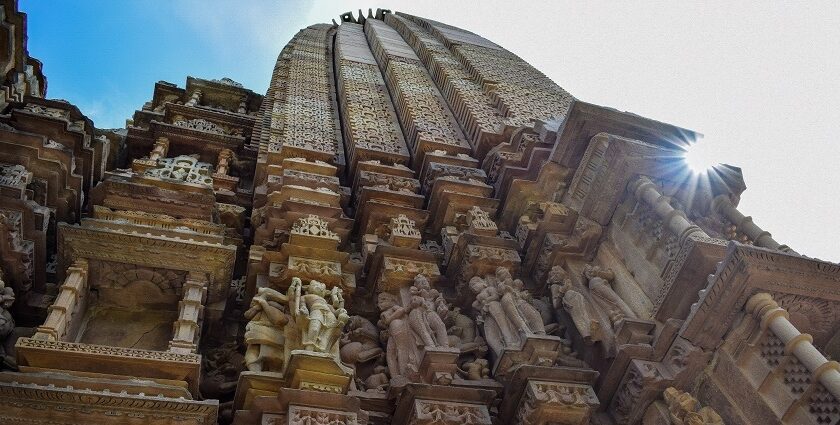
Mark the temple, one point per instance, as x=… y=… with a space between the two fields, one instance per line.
x=411 y=226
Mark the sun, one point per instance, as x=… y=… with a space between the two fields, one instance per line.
x=699 y=158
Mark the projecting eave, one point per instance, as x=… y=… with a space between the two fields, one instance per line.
x=585 y=120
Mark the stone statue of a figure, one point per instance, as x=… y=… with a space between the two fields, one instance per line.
x=427 y=306
x=505 y=310
x=498 y=330
x=604 y=295
x=412 y=320
x=318 y=319
x=401 y=349
x=360 y=341
x=7 y=326
x=566 y=297
x=516 y=302
x=264 y=333
x=684 y=409
x=360 y=349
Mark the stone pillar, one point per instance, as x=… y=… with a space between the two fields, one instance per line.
x=760 y=237
x=71 y=294
x=826 y=372
x=188 y=325
x=160 y=149
x=195 y=98
x=675 y=220
x=223 y=164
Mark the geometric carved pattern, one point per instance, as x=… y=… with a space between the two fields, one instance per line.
x=182 y=168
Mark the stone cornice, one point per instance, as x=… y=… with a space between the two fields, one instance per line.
x=747 y=270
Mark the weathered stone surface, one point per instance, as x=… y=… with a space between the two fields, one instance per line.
x=412 y=226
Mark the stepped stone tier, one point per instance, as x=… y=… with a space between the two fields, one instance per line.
x=412 y=226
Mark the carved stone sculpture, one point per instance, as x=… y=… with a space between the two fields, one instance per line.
x=475 y=369
x=222 y=366
x=505 y=310
x=498 y=330
x=426 y=308
x=7 y=326
x=360 y=341
x=603 y=294
x=264 y=333
x=517 y=303
x=684 y=409
x=360 y=348
x=319 y=321
x=463 y=333
x=401 y=349
x=565 y=297
x=378 y=381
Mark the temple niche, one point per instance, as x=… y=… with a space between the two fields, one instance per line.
x=412 y=226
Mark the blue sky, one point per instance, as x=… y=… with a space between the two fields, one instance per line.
x=105 y=56
x=759 y=80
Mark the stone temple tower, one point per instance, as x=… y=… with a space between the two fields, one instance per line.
x=412 y=226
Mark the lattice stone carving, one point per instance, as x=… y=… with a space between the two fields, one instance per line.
x=367 y=114
x=313 y=226
x=473 y=108
x=183 y=168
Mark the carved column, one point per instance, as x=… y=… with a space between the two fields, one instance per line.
x=188 y=325
x=775 y=318
x=744 y=224
x=195 y=98
x=645 y=190
x=160 y=149
x=223 y=164
x=69 y=301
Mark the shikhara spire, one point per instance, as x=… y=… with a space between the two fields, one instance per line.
x=412 y=226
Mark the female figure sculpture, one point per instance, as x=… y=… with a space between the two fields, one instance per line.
x=264 y=333
x=401 y=347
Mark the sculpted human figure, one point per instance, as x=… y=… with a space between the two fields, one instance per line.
x=603 y=294
x=7 y=326
x=498 y=330
x=401 y=346
x=319 y=321
x=360 y=348
x=475 y=370
x=565 y=297
x=360 y=341
x=424 y=316
x=264 y=333
x=377 y=382
x=515 y=303
x=463 y=333
x=684 y=409
x=584 y=239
